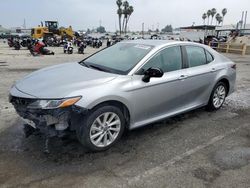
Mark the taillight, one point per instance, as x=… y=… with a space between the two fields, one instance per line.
x=233 y=66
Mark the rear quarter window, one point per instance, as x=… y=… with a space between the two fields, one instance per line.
x=210 y=58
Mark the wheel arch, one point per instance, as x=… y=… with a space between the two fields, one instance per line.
x=118 y=104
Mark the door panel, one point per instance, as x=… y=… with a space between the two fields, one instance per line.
x=201 y=76
x=201 y=81
x=160 y=96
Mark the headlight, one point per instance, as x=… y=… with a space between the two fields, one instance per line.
x=54 y=103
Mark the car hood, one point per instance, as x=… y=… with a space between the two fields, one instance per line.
x=60 y=80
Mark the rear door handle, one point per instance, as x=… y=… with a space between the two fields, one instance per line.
x=182 y=77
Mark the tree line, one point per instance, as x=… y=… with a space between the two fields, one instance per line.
x=213 y=12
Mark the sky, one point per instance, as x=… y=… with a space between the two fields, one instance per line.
x=83 y=14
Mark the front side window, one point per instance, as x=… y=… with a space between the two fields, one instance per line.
x=196 y=56
x=169 y=59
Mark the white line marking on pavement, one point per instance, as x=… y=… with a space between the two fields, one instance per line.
x=161 y=168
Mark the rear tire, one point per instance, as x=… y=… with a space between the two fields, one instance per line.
x=217 y=97
x=102 y=128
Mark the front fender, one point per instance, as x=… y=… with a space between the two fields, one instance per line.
x=109 y=98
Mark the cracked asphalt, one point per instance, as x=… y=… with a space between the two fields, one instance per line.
x=195 y=149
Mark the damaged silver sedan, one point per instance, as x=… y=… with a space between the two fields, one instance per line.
x=125 y=86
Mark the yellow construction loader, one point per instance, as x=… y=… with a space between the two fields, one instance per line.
x=51 y=29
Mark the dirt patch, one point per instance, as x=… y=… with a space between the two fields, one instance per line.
x=234 y=158
x=207 y=174
x=3 y=178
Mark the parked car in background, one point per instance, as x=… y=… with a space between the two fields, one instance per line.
x=125 y=86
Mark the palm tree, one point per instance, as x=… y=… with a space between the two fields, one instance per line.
x=224 y=12
x=220 y=19
x=130 y=11
x=213 y=12
x=125 y=13
x=119 y=12
x=209 y=12
x=204 y=16
x=217 y=17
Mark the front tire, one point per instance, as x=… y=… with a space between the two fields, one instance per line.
x=217 y=97
x=102 y=128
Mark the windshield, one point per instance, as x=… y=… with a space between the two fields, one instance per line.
x=119 y=59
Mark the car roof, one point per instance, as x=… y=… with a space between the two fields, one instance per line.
x=152 y=42
x=162 y=43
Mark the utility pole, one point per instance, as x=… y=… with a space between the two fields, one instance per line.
x=245 y=21
x=24 y=23
x=143 y=30
x=240 y=23
x=115 y=27
x=158 y=27
x=242 y=16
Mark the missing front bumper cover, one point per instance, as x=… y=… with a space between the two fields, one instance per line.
x=54 y=122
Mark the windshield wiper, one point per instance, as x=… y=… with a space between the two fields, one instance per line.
x=84 y=64
x=98 y=68
x=94 y=66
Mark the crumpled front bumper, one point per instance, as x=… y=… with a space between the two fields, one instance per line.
x=51 y=122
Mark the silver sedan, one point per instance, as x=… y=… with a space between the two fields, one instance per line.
x=125 y=86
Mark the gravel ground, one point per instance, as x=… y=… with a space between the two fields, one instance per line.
x=196 y=149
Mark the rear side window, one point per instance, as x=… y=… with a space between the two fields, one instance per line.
x=209 y=57
x=196 y=56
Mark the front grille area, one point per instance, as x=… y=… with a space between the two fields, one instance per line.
x=20 y=102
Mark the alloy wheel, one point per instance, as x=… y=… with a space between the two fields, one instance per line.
x=105 y=129
x=219 y=96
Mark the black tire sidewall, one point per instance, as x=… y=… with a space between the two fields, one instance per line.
x=84 y=129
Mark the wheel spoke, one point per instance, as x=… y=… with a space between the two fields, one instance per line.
x=117 y=122
x=105 y=118
x=95 y=128
x=96 y=135
x=222 y=90
x=111 y=118
x=111 y=137
x=97 y=142
x=215 y=100
x=114 y=129
x=105 y=141
x=99 y=121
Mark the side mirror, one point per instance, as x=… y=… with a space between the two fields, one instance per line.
x=152 y=72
